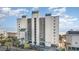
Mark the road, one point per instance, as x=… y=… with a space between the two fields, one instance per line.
x=4 y=48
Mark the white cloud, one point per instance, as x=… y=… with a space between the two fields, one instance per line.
x=35 y=8
x=63 y=9
x=2 y=15
x=4 y=12
x=12 y=12
x=59 y=11
x=67 y=21
x=6 y=9
x=51 y=8
x=18 y=12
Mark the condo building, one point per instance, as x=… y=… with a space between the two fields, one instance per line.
x=39 y=30
x=23 y=29
x=45 y=30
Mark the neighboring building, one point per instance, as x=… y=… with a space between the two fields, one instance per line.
x=72 y=37
x=11 y=34
x=62 y=42
x=22 y=29
x=51 y=30
x=3 y=33
x=45 y=30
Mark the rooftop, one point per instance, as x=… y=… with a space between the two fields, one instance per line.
x=24 y=16
x=73 y=32
x=48 y=14
x=35 y=12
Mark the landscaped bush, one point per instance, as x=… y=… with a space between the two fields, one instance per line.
x=26 y=45
x=63 y=49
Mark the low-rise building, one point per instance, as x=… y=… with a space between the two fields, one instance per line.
x=72 y=37
x=11 y=34
x=3 y=33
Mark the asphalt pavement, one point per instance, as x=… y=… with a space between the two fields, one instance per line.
x=4 y=48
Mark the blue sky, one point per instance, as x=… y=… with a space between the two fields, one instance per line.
x=69 y=16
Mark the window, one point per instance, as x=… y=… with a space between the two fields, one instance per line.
x=42 y=43
x=54 y=29
x=54 y=32
x=76 y=42
x=54 y=26
x=54 y=23
x=54 y=35
x=54 y=20
x=54 y=17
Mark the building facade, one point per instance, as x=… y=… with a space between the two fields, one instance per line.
x=22 y=29
x=29 y=27
x=45 y=30
x=11 y=34
x=72 y=37
x=39 y=30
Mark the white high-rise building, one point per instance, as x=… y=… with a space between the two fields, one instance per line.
x=45 y=30
x=51 y=30
x=35 y=28
x=40 y=30
x=22 y=29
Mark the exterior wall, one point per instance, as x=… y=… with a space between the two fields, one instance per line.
x=11 y=34
x=42 y=31
x=48 y=31
x=22 y=24
x=32 y=31
x=29 y=31
x=45 y=31
x=35 y=15
x=68 y=38
x=51 y=35
x=18 y=27
x=55 y=29
x=73 y=39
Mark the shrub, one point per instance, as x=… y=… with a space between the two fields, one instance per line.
x=26 y=45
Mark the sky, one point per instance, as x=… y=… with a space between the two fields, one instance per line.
x=68 y=16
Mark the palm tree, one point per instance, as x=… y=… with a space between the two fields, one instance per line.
x=1 y=39
x=1 y=36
